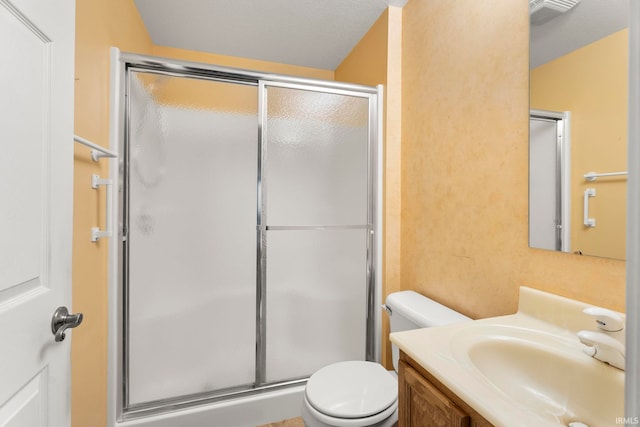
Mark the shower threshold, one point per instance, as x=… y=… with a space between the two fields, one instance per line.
x=162 y=406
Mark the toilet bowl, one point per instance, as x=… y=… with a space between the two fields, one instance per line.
x=351 y=394
x=361 y=393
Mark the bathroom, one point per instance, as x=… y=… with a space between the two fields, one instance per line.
x=456 y=79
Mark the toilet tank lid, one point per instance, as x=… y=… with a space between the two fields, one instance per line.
x=421 y=310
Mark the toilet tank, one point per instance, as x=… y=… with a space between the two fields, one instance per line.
x=410 y=310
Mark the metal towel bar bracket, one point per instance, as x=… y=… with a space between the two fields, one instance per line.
x=588 y=222
x=96 y=233
x=98 y=152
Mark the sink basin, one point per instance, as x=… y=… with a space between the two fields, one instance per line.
x=525 y=369
x=548 y=375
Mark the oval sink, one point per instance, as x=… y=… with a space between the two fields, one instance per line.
x=526 y=369
x=552 y=378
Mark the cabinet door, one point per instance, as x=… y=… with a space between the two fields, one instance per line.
x=423 y=405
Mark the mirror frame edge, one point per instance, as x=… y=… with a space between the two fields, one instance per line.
x=632 y=368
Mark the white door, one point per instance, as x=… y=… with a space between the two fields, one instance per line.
x=36 y=172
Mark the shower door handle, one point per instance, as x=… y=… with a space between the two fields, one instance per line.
x=62 y=320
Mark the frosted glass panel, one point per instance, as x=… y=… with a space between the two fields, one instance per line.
x=316 y=161
x=192 y=236
x=316 y=302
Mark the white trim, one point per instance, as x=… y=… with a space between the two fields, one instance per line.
x=113 y=349
x=379 y=224
x=632 y=372
x=566 y=181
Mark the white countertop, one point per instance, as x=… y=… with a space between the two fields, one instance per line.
x=543 y=321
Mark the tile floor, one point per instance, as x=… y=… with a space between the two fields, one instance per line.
x=293 y=422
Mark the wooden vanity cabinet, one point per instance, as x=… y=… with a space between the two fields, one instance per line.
x=425 y=402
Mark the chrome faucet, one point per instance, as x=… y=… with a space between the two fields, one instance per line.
x=608 y=344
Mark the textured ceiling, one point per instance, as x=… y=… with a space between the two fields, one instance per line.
x=312 y=33
x=321 y=33
x=589 y=21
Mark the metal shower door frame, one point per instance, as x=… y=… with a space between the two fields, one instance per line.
x=124 y=64
x=372 y=343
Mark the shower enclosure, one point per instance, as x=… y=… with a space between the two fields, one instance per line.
x=248 y=240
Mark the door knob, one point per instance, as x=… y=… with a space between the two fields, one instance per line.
x=62 y=320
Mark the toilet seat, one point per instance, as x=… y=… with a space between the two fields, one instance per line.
x=314 y=418
x=358 y=393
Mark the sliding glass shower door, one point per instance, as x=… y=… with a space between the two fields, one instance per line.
x=191 y=235
x=248 y=221
x=316 y=227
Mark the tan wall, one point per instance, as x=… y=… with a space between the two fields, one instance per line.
x=366 y=64
x=464 y=168
x=101 y=24
x=464 y=165
x=375 y=60
x=592 y=83
x=393 y=156
x=244 y=63
x=198 y=94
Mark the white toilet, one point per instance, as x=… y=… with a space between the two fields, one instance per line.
x=359 y=393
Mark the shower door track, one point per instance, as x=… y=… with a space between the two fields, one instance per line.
x=133 y=62
x=162 y=406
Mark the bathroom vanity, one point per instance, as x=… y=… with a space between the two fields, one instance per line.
x=425 y=401
x=530 y=369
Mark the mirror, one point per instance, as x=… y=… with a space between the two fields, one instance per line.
x=578 y=126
